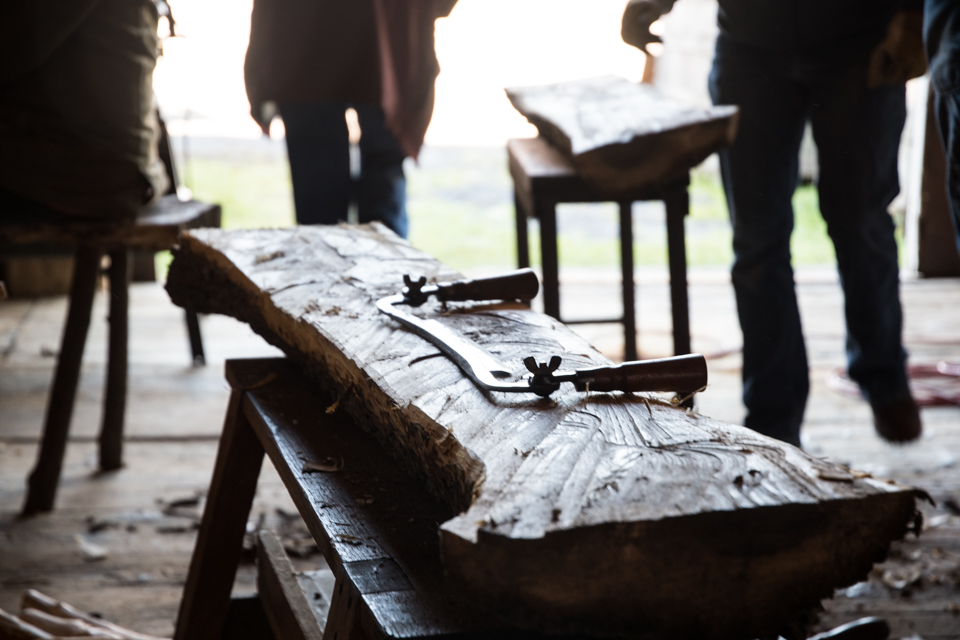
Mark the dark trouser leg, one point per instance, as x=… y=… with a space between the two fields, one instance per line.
x=760 y=175
x=318 y=149
x=42 y=484
x=857 y=131
x=947 y=108
x=941 y=34
x=382 y=190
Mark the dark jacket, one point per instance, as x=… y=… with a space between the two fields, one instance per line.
x=374 y=51
x=806 y=27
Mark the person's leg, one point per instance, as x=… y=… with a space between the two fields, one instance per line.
x=382 y=190
x=319 y=152
x=947 y=108
x=760 y=172
x=857 y=131
x=942 y=37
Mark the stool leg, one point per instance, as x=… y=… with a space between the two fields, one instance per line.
x=196 y=340
x=206 y=594
x=547 y=214
x=626 y=268
x=678 y=204
x=115 y=398
x=43 y=480
x=523 y=241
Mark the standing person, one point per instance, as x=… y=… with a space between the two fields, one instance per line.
x=310 y=61
x=785 y=63
x=941 y=33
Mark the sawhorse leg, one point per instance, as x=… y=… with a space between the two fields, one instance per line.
x=206 y=594
x=43 y=481
x=343 y=621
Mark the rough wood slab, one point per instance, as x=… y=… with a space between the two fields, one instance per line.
x=155 y=229
x=606 y=513
x=621 y=135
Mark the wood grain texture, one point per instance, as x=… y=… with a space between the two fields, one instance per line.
x=608 y=512
x=623 y=136
x=284 y=602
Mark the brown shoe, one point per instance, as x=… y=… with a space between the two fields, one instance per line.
x=898 y=421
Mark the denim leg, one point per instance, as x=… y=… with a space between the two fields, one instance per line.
x=947 y=108
x=760 y=172
x=318 y=148
x=857 y=131
x=382 y=191
x=941 y=34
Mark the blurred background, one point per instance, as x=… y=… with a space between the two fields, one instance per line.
x=460 y=199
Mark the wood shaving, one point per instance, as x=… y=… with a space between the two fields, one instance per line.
x=265 y=380
x=328 y=465
x=89 y=551
x=831 y=476
x=267 y=257
x=333 y=407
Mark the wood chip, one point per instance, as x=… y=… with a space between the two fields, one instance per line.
x=329 y=465
x=89 y=551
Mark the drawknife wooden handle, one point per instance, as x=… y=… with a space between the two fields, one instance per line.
x=519 y=285
x=682 y=374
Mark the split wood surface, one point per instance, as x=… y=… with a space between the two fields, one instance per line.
x=44 y=618
x=624 y=136
x=603 y=513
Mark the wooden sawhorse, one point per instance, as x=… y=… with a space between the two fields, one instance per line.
x=375 y=525
x=155 y=229
x=543 y=178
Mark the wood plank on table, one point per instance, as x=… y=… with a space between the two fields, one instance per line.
x=621 y=135
x=596 y=513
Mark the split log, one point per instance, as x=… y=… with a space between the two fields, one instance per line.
x=604 y=513
x=63 y=613
x=624 y=136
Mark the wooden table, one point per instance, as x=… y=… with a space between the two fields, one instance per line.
x=543 y=177
x=376 y=526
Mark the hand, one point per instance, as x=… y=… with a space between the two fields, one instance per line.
x=637 y=18
x=900 y=56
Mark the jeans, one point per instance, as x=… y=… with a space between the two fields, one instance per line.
x=857 y=132
x=318 y=148
x=941 y=34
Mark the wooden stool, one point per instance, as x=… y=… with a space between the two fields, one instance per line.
x=543 y=178
x=155 y=229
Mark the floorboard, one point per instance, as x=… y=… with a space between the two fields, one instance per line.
x=175 y=414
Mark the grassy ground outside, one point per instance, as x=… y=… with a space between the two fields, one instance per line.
x=460 y=204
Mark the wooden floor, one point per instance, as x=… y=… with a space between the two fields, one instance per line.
x=143 y=516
